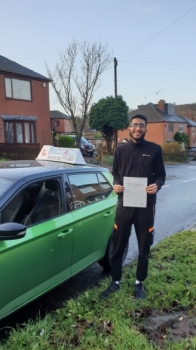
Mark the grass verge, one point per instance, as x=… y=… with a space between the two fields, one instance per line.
x=165 y=320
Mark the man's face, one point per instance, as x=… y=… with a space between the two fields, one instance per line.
x=137 y=129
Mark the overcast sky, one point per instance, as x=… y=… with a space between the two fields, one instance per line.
x=153 y=41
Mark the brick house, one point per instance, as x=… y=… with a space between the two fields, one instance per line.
x=191 y=126
x=162 y=123
x=60 y=123
x=24 y=109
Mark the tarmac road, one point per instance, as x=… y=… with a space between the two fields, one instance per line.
x=175 y=211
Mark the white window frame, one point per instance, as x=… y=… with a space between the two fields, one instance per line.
x=181 y=127
x=170 y=127
x=56 y=123
x=20 y=132
x=12 y=92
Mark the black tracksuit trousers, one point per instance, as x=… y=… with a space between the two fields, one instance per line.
x=143 y=221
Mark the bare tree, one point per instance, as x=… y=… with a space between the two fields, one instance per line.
x=75 y=78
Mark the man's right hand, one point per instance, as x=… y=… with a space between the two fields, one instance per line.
x=118 y=188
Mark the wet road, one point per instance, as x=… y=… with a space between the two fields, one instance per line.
x=175 y=211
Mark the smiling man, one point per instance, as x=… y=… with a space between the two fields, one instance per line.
x=139 y=159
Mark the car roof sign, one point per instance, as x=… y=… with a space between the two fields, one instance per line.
x=61 y=154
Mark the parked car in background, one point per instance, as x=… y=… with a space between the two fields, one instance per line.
x=86 y=147
x=192 y=153
x=56 y=218
x=125 y=140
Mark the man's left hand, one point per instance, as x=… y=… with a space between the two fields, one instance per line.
x=151 y=189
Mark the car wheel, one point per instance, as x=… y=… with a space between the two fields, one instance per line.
x=105 y=262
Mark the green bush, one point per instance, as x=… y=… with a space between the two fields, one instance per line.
x=3 y=159
x=173 y=152
x=181 y=137
x=66 y=141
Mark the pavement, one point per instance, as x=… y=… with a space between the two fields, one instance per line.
x=191 y=228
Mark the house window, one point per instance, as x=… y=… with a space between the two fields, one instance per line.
x=20 y=132
x=170 y=127
x=56 y=123
x=181 y=128
x=193 y=131
x=17 y=89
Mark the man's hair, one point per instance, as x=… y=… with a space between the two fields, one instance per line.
x=140 y=116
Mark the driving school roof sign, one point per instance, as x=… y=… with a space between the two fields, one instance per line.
x=58 y=154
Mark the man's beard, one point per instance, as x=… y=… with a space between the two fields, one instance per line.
x=136 y=139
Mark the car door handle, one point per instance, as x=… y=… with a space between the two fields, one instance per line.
x=108 y=213
x=65 y=233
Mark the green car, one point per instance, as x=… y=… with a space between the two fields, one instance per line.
x=56 y=219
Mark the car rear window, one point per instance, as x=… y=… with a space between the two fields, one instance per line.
x=85 y=190
x=5 y=184
x=83 y=140
x=105 y=186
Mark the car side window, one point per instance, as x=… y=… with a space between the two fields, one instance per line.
x=105 y=186
x=38 y=202
x=85 y=190
x=46 y=204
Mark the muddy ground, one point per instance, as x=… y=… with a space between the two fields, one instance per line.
x=173 y=326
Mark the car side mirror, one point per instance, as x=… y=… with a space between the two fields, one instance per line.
x=12 y=230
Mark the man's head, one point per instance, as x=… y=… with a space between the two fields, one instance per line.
x=137 y=127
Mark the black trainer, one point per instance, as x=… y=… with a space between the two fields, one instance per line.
x=113 y=287
x=139 y=291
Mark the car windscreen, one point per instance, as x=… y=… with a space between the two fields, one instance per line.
x=83 y=140
x=5 y=184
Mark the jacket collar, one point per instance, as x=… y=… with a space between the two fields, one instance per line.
x=138 y=144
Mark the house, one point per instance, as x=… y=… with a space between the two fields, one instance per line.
x=163 y=123
x=24 y=110
x=60 y=123
x=188 y=110
x=191 y=125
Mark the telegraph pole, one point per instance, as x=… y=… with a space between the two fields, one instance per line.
x=115 y=95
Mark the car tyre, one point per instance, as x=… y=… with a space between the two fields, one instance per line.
x=105 y=262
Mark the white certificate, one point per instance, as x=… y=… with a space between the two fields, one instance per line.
x=135 y=194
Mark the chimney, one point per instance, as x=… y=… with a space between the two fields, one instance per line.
x=189 y=116
x=161 y=105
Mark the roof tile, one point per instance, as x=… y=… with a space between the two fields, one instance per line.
x=8 y=66
x=154 y=114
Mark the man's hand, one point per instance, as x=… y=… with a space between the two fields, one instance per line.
x=118 y=188
x=151 y=189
